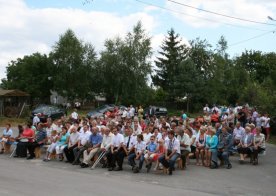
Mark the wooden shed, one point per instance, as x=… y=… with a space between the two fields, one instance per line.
x=12 y=102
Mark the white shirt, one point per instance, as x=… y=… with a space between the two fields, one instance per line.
x=75 y=115
x=147 y=137
x=186 y=140
x=56 y=128
x=173 y=145
x=107 y=140
x=7 y=133
x=238 y=132
x=84 y=137
x=124 y=114
x=266 y=123
x=206 y=109
x=117 y=140
x=73 y=139
x=36 y=120
x=132 y=141
x=140 y=146
x=132 y=112
x=263 y=121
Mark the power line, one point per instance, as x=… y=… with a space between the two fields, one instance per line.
x=261 y=35
x=202 y=18
x=219 y=14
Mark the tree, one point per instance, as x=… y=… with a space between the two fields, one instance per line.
x=73 y=62
x=125 y=65
x=30 y=74
x=172 y=54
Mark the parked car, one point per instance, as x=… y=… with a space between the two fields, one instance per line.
x=157 y=111
x=100 y=111
x=48 y=111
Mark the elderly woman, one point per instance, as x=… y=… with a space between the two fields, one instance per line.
x=211 y=146
x=246 y=142
x=258 y=145
x=62 y=142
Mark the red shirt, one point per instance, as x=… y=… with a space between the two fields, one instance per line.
x=28 y=133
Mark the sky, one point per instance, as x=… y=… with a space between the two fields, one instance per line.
x=29 y=26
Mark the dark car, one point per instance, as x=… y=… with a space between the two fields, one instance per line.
x=155 y=110
x=100 y=111
x=48 y=111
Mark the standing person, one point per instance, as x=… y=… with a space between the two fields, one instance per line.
x=172 y=152
x=224 y=145
x=72 y=143
x=267 y=126
x=5 y=139
x=74 y=116
x=140 y=112
x=258 y=145
x=117 y=152
x=184 y=116
x=95 y=141
x=242 y=118
x=211 y=145
x=131 y=111
x=36 y=119
x=206 y=109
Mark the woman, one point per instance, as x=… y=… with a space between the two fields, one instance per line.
x=25 y=139
x=246 y=142
x=211 y=145
x=200 y=145
x=207 y=118
x=6 y=138
x=258 y=145
x=62 y=143
x=192 y=137
x=140 y=112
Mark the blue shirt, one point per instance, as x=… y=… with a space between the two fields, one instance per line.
x=95 y=139
x=212 y=142
x=152 y=147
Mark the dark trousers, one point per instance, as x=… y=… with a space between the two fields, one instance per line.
x=169 y=163
x=78 y=152
x=256 y=152
x=116 y=157
x=183 y=156
x=131 y=160
x=21 y=149
x=244 y=150
x=224 y=155
x=68 y=151
x=31 y=147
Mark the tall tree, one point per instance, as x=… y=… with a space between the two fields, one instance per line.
x=172 y=54
x=74 y=62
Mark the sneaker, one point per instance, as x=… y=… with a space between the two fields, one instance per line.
x=135 y=169
x=30 y=157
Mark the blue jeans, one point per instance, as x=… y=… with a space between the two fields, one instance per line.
x=169 y=163
x=225 y=156
x=131 y=160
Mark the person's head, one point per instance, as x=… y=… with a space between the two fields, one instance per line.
x=238 y=125
x=85 y=127
x=171 y=134
x=155 y=130
x=115 y=130
x=161 y=142
x=39 y=126
x=8 y=126
x=54 y=133
x=258 y=130
x=202 y=129
x=152 y=139
x=127 y=131
x=180 y=131
x=73 y=129
x=189 y=131
x=212 y=131
x=28 y=125
x=224 y=130
x=95 y=130
x=63 y=130
x=140 y=137
x=217 y=125
x=106 y=131
x=247 y=129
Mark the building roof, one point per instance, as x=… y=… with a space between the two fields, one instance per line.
x=13 y=93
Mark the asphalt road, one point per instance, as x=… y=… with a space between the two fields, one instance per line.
x=35 y=177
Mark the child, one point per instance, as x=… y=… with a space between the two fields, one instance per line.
x=150 y=153
x=160 y=151
x=53 y=140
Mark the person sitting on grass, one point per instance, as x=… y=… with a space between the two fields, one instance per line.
x=244 y=148
x=138 y=154
x=172 y=152
x=53 y=140
x=150 y=153
x=258 y=145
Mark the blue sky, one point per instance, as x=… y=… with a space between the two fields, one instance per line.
x=28 y=26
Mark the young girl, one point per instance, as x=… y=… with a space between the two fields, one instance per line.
x=159 y=152
x=53 y=140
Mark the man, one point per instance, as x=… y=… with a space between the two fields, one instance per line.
x=106 y=143
x=185 y=147
x=206 y=109
x=225 y=143
x=81 y=147
x=40 y=139
x=218 y=128
x=74 y=116
x=117 y=152
x=5 y=139
x=172 y=152
x=36 y=119
x=95 y=141
x=73 y=143
x=131 y=111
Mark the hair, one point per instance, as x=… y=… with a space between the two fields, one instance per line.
x=20 y=129
x=8 y=124
x=171 y=132
x=140 y=136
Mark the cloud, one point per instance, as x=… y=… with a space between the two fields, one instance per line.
x=25 y=30
x=247 y=9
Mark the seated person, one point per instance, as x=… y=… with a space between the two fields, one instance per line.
x=62 y=142
x=150 y=153
x=138 y=154
x=106 y=143
x=258 y=144
x=172 y=152
x=94 y=141
x=185 y=147
x=72 y=143
x=225 y=143
x=200 y=145
x=6 y=137
x=39 y=140
x=53 y=142
x=211 y=147
x=246 y=142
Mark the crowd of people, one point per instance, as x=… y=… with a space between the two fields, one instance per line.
x=210 y=139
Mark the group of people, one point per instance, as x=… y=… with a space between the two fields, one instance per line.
x=162 y=141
